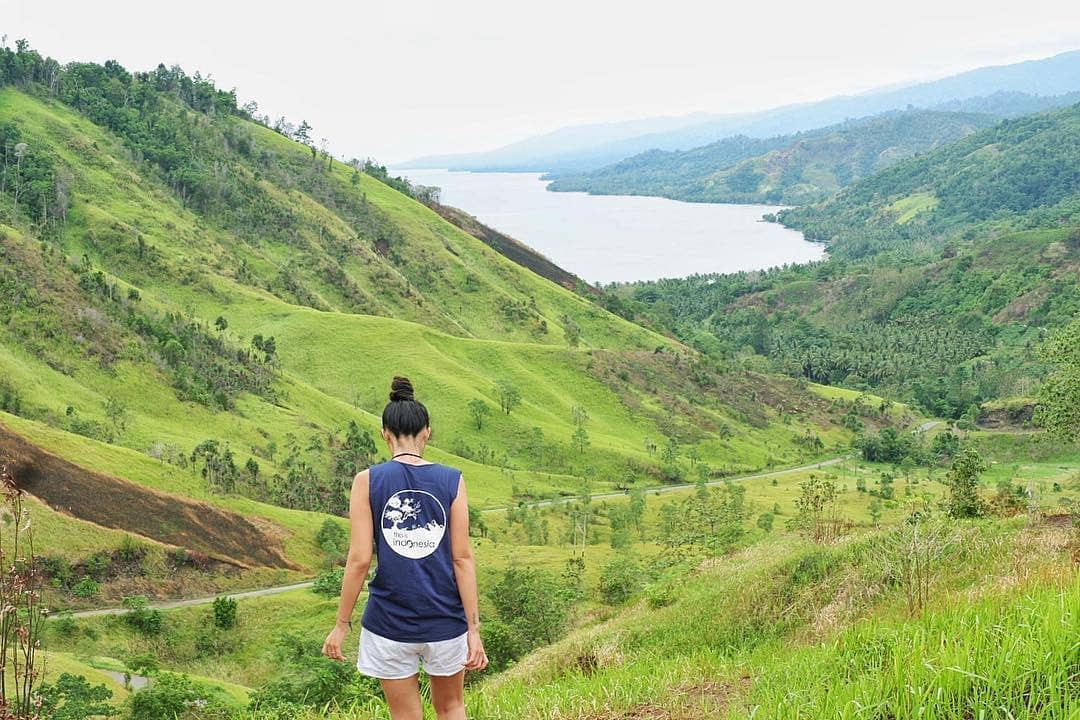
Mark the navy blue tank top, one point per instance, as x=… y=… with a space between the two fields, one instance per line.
x=414 y=596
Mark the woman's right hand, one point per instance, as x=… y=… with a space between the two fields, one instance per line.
x=478 y=659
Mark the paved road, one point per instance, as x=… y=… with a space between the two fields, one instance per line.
x=927 y=425
x=169 y=604
x=687 y=486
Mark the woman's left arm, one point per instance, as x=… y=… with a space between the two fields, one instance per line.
x=356 y=566
x=465 y=575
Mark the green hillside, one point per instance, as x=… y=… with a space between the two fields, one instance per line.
x=1024 y=171
x=693 y=498
x=944 y=274
x=198 y=307
x=789 y=169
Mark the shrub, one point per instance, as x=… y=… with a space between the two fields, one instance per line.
x=309 y=678
x=211 y=642
x=765 y=522
x=529 y=601
x=333 y=540
x=141 y=617
x=660 y=594
x=619 y=580
x=172 y=696
x=58 y=570
x=130 y=550
x=86 y=588
x=329 y=582
x=97 y=565
x=225 y=612
x=502 y=644
x=64 y=625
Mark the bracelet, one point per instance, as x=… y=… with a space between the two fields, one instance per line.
x=349 y=621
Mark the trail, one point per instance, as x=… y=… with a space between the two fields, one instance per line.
x=170 y=604
x=684 y=486
x=276 y=589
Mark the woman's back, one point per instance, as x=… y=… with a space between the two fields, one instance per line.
x=414 y=596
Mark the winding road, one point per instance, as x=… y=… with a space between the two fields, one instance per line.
x=683 y=486
x=170 y=604
x=276 y=589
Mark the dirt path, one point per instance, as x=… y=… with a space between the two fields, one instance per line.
x=687 y=486
x=170 y=604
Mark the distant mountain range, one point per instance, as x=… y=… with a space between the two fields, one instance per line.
x=588 y=147
x=801 y=168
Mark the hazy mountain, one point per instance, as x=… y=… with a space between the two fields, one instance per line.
x=586 y=147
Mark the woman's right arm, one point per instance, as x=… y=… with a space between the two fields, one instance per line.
x=356 y=566
x=465 y=574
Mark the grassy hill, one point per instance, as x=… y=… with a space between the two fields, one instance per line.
x=199 y=316
x=787 y=169
x=198 y=309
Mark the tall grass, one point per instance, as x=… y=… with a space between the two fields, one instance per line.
x=1003 y=657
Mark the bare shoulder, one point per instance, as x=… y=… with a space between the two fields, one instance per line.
x=360 y=481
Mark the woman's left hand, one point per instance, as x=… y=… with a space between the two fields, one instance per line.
x=332 y=646
x=478 y=659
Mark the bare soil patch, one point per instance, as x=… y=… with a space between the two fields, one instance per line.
x=116 y=503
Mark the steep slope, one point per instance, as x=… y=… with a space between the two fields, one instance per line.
x=790 y=170
x=1057 y=75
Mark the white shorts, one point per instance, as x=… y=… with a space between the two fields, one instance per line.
x=388 y=659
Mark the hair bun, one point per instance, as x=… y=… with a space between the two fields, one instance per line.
x=401 y=389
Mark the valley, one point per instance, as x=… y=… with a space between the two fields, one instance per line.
x=737 y=477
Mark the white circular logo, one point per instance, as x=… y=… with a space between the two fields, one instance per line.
x=413 y=523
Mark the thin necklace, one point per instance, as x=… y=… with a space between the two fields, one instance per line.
x=407 y=453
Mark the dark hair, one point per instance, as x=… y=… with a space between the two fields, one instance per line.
x=404 y=415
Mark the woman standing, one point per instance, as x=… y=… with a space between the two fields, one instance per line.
x=422 y=604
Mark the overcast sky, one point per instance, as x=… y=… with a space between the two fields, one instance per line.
x=395 y=79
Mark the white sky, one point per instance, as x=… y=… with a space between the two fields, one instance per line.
x=397 y=79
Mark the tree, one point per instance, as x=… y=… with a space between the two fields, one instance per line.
x=71 y=697
x=963 y=482
x=580 y=438
x=218 y=467
x=478 y=410
x=508 y=394
x=1058 y=409
x=693 y=455
x=815 y=508
x=477 y=524
x=579 y=415
x=671 y=452
x=765 y=522
x=117 y=413
x=333 y=540
x=355 y=453
x=303 y=133
x=875 y=511
x=252 y=468
x=572 y=331
x=221 y=323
